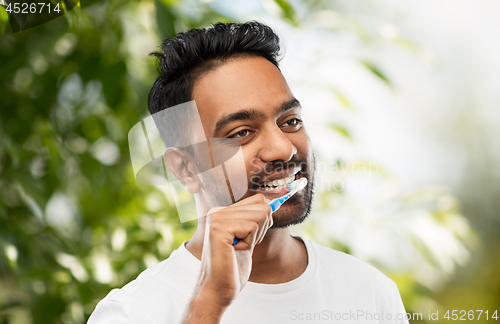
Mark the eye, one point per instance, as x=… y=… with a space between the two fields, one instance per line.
x=293 y=122
x=241 y=134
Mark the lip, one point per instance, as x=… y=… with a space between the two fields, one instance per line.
x=273 y=193
x=281 y=175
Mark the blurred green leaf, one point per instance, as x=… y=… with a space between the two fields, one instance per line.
x=288 y=12
x=342 y=98
x=165 y=19
x=377 y=72
x=4 y=20
x=341 y=130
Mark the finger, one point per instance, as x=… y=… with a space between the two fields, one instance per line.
x=258 y=202
x=226 y=212
x=254 y=199
x=222 y=224
x=259 y=215
x=246 y=232
x=271 y=219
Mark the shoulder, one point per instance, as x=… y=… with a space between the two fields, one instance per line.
x=159 y=291
x=168 y=283
x=176 y=269
x=355 y=280
x=348 y=268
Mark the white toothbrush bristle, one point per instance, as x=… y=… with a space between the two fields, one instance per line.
x=297 y=184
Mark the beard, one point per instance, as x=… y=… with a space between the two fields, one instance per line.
x=296 y=209
x=301 y=208
x=217 y=188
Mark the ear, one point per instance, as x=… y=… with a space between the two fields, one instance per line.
x=181 y=164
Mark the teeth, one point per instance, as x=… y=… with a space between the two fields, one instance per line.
x=278 y=184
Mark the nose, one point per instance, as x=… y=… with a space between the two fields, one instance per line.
x=276 y=146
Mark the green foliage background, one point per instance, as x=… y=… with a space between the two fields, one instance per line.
x=46 y=133
x=68 y=89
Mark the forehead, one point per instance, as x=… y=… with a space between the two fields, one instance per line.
x=241 y=83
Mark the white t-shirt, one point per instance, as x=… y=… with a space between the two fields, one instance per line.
x=335 y=287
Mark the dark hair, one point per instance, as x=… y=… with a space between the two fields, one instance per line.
x=188 y=55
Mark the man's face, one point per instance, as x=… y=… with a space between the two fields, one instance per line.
x=248 y=99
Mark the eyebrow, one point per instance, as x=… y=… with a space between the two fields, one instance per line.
x=246 y=114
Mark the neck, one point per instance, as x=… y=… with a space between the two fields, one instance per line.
x=279 y=258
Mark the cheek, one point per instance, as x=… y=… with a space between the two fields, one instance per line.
x=303 y=144
x=236 y=172
x=305 y=152
x=252 y=163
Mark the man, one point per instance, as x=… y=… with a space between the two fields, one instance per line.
x=269 y=276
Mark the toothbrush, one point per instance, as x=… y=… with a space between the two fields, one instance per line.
x=276 y=203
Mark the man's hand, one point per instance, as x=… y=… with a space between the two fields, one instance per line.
x=225 y=268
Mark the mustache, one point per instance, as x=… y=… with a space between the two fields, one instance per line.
x=274 y=167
